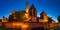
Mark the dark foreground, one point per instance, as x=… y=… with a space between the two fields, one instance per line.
x=3 y=28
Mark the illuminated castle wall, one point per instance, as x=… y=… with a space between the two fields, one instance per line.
x=27 y=10
x=43 y=17
x=4 y=19
x=29 y=14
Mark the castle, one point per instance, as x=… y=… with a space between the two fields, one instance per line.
x=30 y=15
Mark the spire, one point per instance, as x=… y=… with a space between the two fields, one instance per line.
x=27 y=11
x=32 y=7
x=43 y=12
x=27 y=8
x=3 y=18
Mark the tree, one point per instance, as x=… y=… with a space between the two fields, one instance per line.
x=59 y=19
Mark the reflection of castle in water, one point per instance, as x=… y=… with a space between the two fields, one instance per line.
x=30 y=15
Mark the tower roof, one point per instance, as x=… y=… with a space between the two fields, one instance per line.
x=26 y=4
x=3 y=17
x=43 y=12
x=32 y=6
x=27 y=7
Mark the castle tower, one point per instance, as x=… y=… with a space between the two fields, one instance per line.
x=4 y=19
x=32 y=11
x=27 y=10
x=44 y=17
x=27 y=7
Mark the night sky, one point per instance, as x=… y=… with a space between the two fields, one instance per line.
x=51 y=7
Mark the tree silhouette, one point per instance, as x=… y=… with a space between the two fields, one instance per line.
x=59 y=19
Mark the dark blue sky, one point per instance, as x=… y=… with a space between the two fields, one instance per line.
x=51 y=7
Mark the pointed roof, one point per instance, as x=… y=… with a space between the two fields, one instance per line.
x=3 y=17
x=32 y=7
x=26 y=4
x=43 y=12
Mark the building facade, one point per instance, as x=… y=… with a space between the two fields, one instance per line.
x=43 y=17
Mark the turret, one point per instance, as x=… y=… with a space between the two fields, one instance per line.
x=4 y=19
x=27 y=7
x=27 y=12
x=44 y=17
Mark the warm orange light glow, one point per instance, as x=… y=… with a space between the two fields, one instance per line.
x=8 y=25
x=26 y=15
x=4 y=20
x=17 y=24
x=24 y=26
x=14 y=24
